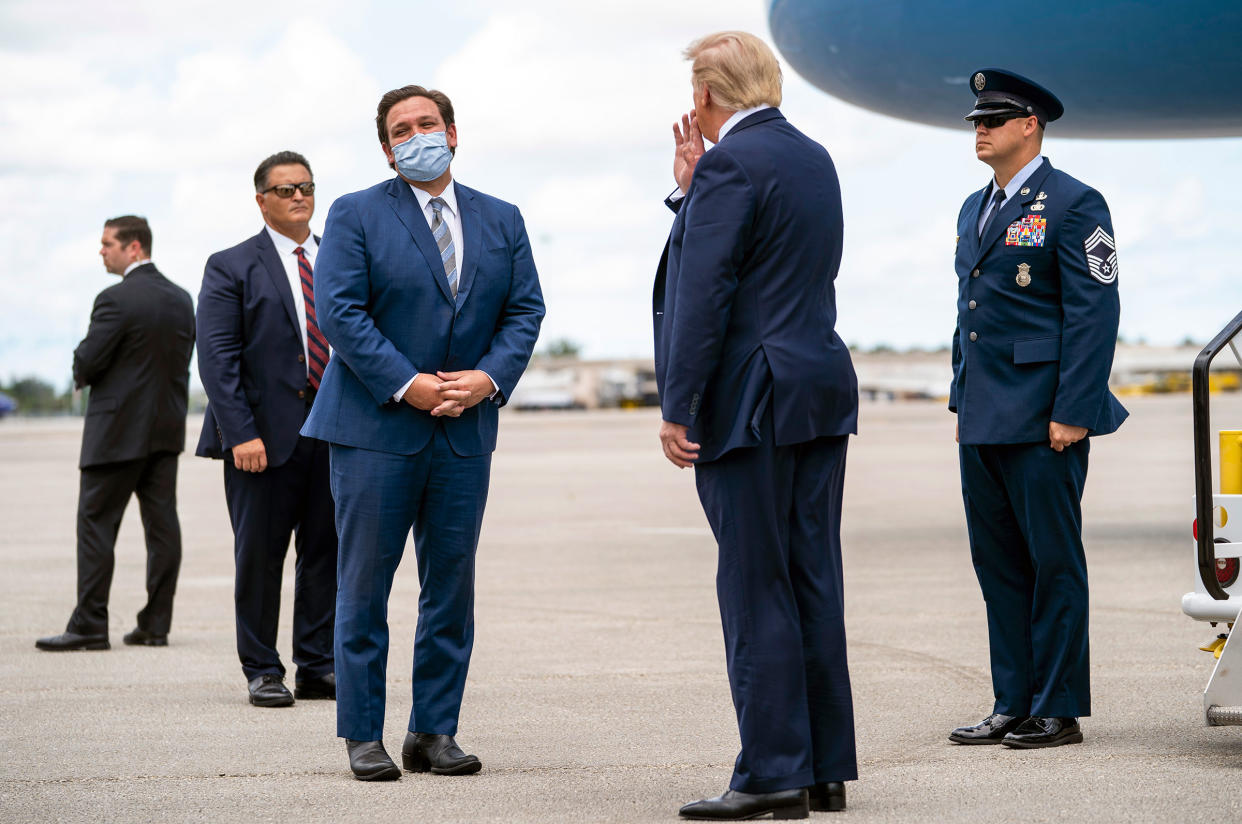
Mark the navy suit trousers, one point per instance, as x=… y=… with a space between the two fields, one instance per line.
x=776 y=515
x=266 y=508
x=442 y=496
x=1023 y=513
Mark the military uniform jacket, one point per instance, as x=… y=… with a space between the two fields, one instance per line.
x=1037 y=314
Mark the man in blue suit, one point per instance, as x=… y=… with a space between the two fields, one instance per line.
x=1036 y=329
x=427 y=291
x=261 y=357
x=759 y=395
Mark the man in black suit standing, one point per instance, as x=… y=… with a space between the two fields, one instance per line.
x=261 y=356
x=136 y=360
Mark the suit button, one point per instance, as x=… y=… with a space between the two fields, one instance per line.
x=302 y=392
x=972 y=304
x=975 y=274
x=974 y=336
x=301 y=359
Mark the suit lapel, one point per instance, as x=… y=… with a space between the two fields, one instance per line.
x=472 y=228
x=276 y=271
x=405 y=207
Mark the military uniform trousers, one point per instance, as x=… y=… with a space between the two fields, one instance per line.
x=266 y=508
x=1024 y=517
x=103 y=494
x=776 y=515
x=441 y=495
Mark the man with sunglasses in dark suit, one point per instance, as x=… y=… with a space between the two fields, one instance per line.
x=260 y=357
x=1036 y=329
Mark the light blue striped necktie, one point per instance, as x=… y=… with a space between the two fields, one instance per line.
x=444 y=242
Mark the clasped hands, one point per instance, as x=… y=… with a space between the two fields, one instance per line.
x=448 y=394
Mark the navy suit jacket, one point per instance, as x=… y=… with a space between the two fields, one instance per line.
x=745 y=304
x=384 y=304
x=250 y=355
x=1037 y=314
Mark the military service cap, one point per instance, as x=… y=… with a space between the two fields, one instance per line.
x=998 y=92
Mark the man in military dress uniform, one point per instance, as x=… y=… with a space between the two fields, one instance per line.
x=1036 y=328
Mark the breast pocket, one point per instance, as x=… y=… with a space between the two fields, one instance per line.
x=1037 y=350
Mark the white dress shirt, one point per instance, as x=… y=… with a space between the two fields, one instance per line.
x=131 y=267
x=1011 y=189
x=451 y=216
x=736 y=118
x=284 y=249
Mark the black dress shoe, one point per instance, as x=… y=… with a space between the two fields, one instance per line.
x=991 y=730
x=737 y=806
x=370 y=762
x=322 y=687
x=827 y=797
x=142 y=638
x=269 y=690
x=72 y=641
x=437 y=754
x=1038 y=731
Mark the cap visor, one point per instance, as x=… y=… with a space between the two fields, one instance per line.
x=1004 y=110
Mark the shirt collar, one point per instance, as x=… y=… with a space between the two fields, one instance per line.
x=449 y=196
x=1023 y=175
x=738 y=117
x=286 y=245
x=131 y=267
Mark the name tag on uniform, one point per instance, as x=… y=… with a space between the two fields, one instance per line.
x=1029 y=231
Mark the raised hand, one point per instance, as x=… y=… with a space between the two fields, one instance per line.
x=688 y=142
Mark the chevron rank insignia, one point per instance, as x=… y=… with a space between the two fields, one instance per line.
x=1101 y=255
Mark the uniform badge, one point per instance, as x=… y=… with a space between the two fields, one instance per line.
x=1037 y=207
x=1025 y=190
x=1029 y=231
x=1024 y=274
x=1101 y=255
x=980 y=81
x=1041 y=196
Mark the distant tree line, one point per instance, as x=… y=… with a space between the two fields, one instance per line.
x=35 y=396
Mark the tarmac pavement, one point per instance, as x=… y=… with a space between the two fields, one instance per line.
x=598 y=691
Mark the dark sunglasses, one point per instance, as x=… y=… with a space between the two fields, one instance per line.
x=285 y=190
x=995 y=121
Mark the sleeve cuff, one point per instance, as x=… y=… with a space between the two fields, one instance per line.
x=406 y=388
x=495 y=387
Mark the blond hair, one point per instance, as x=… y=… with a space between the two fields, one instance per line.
x=738 y=67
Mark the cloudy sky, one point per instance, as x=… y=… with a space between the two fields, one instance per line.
x=565 y=108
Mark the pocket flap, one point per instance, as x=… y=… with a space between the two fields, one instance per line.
x=1037 y=350
x=95 y=405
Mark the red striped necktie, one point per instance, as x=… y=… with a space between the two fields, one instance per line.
x=316 y=343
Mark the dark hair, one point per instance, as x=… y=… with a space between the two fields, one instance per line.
x=129 y=228
x=285 y=158
x=395 y=96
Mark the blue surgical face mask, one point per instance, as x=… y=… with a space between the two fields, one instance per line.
x=423 y=157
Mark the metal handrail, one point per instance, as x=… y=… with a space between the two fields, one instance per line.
x=1200 y=399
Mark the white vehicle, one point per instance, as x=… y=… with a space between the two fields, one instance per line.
x=1217 y=597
